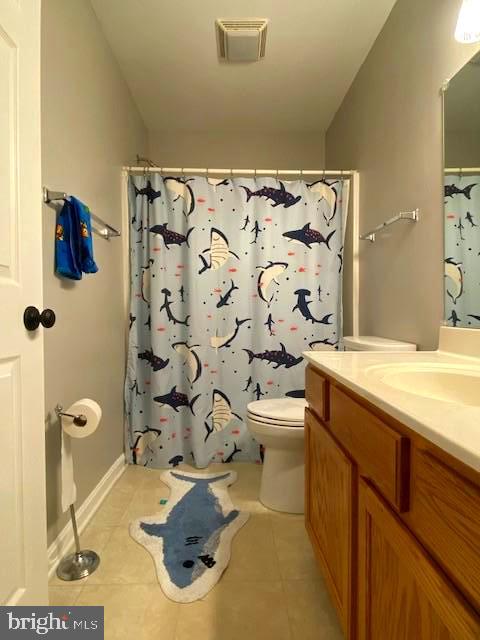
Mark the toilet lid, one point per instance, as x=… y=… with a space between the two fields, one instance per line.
x=274 y=423
x=286 y=410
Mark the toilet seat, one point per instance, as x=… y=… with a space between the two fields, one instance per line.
x=278 y=411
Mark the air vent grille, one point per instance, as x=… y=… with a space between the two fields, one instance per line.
x=252 y=29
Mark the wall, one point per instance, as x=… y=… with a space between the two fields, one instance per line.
x=90 y=128
x=390 y=128
x=238 y=150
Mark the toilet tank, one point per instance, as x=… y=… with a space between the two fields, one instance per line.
x=374 y=343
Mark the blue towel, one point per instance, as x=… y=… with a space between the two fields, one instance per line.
x=87 y=263
x=73 y=243
x=67 y=243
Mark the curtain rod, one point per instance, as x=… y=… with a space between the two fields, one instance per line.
x=460 y=171
x=241 y=172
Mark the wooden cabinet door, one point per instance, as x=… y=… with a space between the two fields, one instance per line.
x=402 y=594
x=328 y=514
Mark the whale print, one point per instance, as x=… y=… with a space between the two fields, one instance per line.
x=219 y=342
x=188 y=538
x=279 y=358
x=191 y=359
x=469 y=218
x=180 y=188
x=219 y=251
x=227 y=294
x=277 y=196
x=148 y=191
x=154 y=361
x=169 y=236
x=269 y=274
x=454 y=273
x=221 y=414
x=303 y=306
x=308 y=236
x=174 y=399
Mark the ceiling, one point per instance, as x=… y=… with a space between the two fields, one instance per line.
x=167 y=52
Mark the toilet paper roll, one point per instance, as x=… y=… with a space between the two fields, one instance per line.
x=92 y=411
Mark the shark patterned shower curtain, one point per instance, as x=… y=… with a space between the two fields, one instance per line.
x=230 y=281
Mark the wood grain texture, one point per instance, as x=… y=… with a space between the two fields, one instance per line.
x=445 y=515
x=382 y=454
x=317 y=393
x=402 y=594
x=330 y=498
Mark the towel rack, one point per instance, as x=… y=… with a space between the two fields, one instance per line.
x=105 y=230
x=413 y=216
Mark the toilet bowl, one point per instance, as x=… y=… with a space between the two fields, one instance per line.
x=277 y=424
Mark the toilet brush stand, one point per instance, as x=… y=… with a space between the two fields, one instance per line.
x=79 y=564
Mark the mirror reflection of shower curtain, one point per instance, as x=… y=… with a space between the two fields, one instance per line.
x=230 y=281
x=462 y=250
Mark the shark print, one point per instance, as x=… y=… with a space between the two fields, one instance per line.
x=170 y=237
x=267 y=275
x=154 y=361
x=230 y=457
x=469 y=218
x=225 y=299
x=325 y=191
x=279 y=358
x=148 y=191
x=175 y=399
x=258 y=391
x=180 y=188
x=462 y=249
x=145 y=443
x=219 y=252
x=221 y=413
x=454 y=273
x=303 y=306
x=219 y=342
x=269 y=324
x=185 y=539
x=167 y=307
x=452 y=190
x=231 y=280
x=308 y=236
x=277 y=196
x=191 y=359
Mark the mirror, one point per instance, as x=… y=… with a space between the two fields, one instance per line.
x=462 y=197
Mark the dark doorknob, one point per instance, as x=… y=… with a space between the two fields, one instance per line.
x=32 y=318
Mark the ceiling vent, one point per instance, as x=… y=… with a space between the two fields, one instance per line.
x=242 y=40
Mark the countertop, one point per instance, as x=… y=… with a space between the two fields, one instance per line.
x=453 y=427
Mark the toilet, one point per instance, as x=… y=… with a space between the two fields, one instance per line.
x=278 y=425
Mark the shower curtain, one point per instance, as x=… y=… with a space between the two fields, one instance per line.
x=231 y=279
x=462 y=250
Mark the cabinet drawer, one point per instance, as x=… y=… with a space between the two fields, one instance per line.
x=445 y=515
x=316 y=392
x=381 y=453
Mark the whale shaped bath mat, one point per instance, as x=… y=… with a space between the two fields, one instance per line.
x=190 y=540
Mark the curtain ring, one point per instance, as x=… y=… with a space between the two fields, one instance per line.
x=277 y=175
x=301 y=174
x=254 y=174
x=231 y=174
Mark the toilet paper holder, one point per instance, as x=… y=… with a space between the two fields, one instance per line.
x=79 y=420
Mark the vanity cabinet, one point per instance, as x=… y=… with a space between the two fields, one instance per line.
x=393 y=520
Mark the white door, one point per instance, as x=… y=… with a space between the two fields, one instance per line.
x=23 y=573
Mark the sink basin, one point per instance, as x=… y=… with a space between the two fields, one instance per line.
x=447 y=383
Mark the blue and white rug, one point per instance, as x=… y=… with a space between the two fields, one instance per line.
x=190 y=540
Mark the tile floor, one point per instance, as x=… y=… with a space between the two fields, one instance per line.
x=271 y=589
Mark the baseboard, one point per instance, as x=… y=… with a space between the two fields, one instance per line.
x=63 y=543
